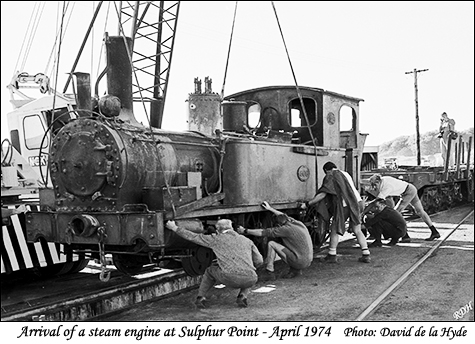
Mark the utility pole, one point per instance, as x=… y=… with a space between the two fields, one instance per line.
x=418 y=139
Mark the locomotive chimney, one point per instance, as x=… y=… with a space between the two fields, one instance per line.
x=208 y=88
x=197 y=86
x=83 y=82
x=119 y=74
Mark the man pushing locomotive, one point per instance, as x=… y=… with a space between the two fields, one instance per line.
x=237 y=259
x=296 y=249
x=346 y=204
x=384 y=221
x=389 y=187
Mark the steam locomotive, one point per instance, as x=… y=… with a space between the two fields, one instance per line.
x=116 y=182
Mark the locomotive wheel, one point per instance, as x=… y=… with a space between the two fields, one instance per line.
x=457 y=193
x=259 y=220
x=318 y=228
x=200 y=259
x=127 y=264
x=78 y=266
x=470 y=187
x=445 y=198
x=170 y=264
x=54 y=270
x=430 y=200
x=439 y=200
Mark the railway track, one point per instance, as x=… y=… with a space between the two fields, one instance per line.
x=407 y=274
x=83 y=297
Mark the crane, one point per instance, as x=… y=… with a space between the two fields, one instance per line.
x=152 y=26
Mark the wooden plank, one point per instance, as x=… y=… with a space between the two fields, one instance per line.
x=310 y=150
x=198 y=204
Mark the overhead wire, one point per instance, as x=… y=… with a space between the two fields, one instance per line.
x=24 y=38
x=81 y=49
x=32 y=35
x=229 y=50
x=58 y=37
x=55 y=87
x=299 y=93
x=102 y=46
x=92 y=38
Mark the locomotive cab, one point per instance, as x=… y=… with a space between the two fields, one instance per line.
x=331 y=118
x=328 y=120
x=276 y=109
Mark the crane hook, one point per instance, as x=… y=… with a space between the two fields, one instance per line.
x=105 y=274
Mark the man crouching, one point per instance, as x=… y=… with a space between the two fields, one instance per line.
x=297 y=248
x=237 y=259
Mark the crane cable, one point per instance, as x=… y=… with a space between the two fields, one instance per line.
x=61 y=31
x=299 y=94
x=33 y=24
x=106 y=21
x=229 y=51
x=24 y=38
x=63 y=14
x=30 y=34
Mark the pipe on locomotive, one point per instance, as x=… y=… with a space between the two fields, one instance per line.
x=84 y=225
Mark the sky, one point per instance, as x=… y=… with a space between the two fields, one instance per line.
x=362 y=49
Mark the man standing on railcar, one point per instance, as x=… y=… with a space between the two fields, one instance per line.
x=296 y=250
x=237 y=259
x=385 y=221
x=446 y=133
x=346 y=203
x=389 y=187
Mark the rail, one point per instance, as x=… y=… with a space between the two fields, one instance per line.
x=373 y=306
x=106 y=301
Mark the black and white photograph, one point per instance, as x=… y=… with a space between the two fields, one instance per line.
x=261 y=171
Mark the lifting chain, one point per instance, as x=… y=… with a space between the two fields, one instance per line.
x=105 y=274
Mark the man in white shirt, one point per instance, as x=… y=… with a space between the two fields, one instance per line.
x=388 y=187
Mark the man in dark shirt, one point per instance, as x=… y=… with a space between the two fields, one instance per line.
x=346 y=201
x=385 y=221
x=296 y=249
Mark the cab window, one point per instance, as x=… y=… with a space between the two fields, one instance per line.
x=297 y=116
x=254 y=115
x=347 y=118
x=34 y=130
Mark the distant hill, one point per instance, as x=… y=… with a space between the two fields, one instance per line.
x=406 y=145
x=404 y=148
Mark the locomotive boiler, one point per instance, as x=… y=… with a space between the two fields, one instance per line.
x=116 y=182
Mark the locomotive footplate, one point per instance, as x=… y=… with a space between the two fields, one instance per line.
x=124 y=228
